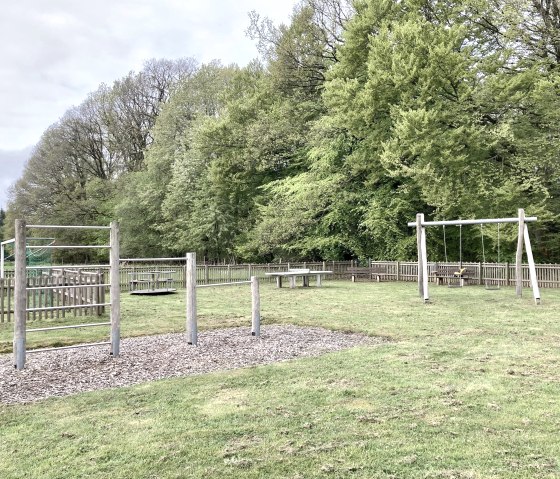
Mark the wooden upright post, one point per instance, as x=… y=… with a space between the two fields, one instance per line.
x=419 y=220
x=424 y=263
x=20 y=300
x=532 y=269
x=2 y=261
x=192 y=333
x=519 y=254
x=115 y=282
x=255 y=307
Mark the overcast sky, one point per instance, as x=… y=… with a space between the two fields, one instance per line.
x=55 y=52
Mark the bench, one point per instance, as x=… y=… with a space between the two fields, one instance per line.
x=452 y=274
x=373 y=272
x=152 y=280
x=291 y=274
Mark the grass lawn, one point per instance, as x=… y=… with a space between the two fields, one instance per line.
x=469 y=387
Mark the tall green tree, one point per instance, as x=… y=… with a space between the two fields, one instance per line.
x=2 y=220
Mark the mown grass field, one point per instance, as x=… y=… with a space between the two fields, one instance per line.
x=468 y=387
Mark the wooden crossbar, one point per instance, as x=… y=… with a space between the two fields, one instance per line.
x=73 y=326
x=76 y=346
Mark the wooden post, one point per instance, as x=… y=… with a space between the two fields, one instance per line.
x=115 y=282
x=419 y=219
x=424 y=264
x=1 y=300
x=255 y=307
x=480 y=272
x=20 y=295
x=1 y=261
x=507 y=274
x=532 y=270
x=519 y=254
x=192 y=333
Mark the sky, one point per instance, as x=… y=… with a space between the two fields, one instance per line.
x=55 y=52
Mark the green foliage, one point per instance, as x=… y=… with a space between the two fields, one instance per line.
x=2 y=221
x=364 y=114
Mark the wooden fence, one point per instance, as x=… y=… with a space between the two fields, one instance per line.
x=55 y=290
x=502 y=274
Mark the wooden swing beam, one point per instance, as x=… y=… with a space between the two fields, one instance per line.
x=523 y=237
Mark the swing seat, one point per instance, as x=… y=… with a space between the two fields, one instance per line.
x=460 y=273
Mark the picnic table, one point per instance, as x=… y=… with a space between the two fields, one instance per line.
x=151 y=282
x=292 y=274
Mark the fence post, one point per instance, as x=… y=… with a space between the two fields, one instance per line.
x=398 y=270
x=480 y=273
x=507 y=274
x=115 y=281
x=191 y=299
x=20 y=293
x=255 y=307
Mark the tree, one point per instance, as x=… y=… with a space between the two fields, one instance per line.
x=2 y=220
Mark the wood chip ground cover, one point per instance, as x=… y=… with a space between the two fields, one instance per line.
x=149 y=358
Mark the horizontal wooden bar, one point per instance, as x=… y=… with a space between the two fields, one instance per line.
x=222 y=284
x=68 y=247
x=73 y=326
x=76 y=346
x=8 y=241
x=71 y=227
x=67 y=267
x=64 y=286
x=77 y=306
x=528 y=219
x=139 y=260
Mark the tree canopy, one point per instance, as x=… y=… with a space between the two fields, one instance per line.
x=357 y=116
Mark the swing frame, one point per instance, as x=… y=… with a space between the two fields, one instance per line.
x=522 y=238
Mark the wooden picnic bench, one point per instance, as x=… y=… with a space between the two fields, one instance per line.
x=151 y=282
x=377 y=272
x=292 y=274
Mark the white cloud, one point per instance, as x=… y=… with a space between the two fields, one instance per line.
x=55 y=52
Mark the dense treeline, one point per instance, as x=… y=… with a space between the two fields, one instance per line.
x=358 y=115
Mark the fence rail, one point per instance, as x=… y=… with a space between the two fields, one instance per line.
x=55 y=294
x=496 y=274
x=90 y=285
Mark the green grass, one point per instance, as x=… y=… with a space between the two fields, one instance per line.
x=469 y=387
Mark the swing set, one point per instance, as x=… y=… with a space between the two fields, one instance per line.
x=456 y=279
x=523 y=238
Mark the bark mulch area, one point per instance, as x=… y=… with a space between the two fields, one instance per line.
x=149 y=358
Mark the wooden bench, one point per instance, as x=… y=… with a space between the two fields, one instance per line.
x=151 y=280
x=374 y=272
x=453 y=275
x=291 y=274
